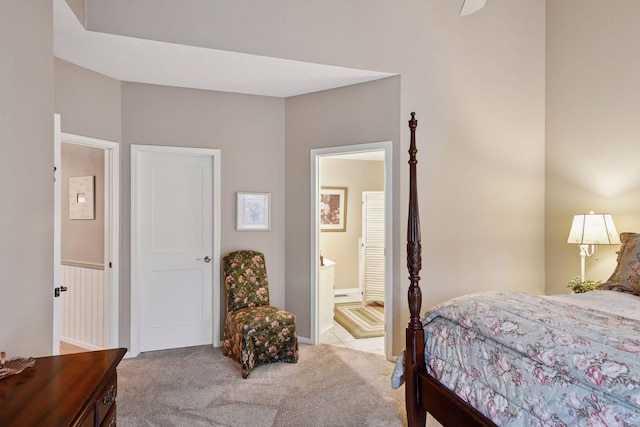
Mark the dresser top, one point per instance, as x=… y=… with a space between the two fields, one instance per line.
x=57 y=389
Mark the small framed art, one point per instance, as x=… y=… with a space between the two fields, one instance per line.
x=81 y=200
x=253 y=211
x=333 y=209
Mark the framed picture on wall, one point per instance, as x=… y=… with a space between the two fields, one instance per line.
x=81 y=200
x=333 y=209
x=253 y=211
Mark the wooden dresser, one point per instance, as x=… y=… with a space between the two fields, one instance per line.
x=70 y=390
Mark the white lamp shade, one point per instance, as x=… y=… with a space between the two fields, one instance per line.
x=593 y=229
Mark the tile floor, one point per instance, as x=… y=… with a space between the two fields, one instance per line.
x=339 y=336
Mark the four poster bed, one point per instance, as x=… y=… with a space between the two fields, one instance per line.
x=513 y=359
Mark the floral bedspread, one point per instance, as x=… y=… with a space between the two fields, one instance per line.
x=525 y=360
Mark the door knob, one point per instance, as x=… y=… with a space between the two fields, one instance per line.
x=205 y=259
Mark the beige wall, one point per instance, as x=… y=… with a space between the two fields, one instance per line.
x=353 y=115
x=82 y=240
x=249 y=130
x=77 y=6
x=88 y=102
x=593 y=132
x=26 y=177
x=342 y=247
x=477 y=84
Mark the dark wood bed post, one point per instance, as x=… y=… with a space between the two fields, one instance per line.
x=422 y=391
x=414 y=354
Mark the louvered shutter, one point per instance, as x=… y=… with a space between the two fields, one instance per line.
x=373 y=246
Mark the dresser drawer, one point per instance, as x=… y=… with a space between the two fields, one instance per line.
x=89 y=419
x=106 y=399
x=110 y=419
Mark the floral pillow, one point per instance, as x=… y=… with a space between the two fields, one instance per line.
x=626 y=276
x=245 y=280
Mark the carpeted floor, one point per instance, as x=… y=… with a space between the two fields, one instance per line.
x=198 y=386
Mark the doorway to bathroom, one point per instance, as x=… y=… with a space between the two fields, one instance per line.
x=352 y=268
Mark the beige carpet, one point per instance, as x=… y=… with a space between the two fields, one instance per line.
x=198 y=386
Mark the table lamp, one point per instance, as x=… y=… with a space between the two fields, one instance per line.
x=589 y=230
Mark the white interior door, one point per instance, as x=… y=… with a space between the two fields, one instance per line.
x=104 y=315
x=174 y=254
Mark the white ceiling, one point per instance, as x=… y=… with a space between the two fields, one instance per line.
x=147 y=61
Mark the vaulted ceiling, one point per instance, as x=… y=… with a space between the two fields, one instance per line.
x=156 y=62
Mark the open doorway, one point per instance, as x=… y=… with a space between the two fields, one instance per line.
x=87 y=287
x=353 y=221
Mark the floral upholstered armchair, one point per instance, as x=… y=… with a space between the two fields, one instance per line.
x=255 y=332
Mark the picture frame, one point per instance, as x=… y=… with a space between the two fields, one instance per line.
x=253 y=211
x=333 y=209
x=81 y=197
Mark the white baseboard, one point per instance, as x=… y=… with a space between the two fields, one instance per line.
x=304 y=340
x=322 y=331
x=347 y=291
x=80 y=343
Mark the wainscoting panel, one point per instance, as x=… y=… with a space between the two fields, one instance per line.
x=84 y=306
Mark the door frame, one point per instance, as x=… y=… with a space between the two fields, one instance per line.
x=57 y=237
x=215 y=155
x=112 y=227
x=316 y=154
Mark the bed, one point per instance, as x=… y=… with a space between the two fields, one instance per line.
x=514 y=359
